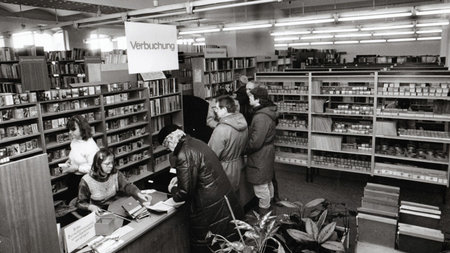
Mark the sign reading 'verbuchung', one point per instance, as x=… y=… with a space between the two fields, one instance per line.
x=151 y=47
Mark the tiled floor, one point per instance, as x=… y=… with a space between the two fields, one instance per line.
x=348 y=188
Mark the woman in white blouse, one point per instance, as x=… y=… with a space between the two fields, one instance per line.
x=82 y=152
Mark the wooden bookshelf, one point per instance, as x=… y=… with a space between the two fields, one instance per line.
x=354 y=104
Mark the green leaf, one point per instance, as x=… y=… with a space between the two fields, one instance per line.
x=271 y=226
x=314 y=202
x=314 y=213
x=298 y=203
x=237 y=246
x=299 y=235
x=311 y=229
x=332 y=245
x=287 y=204
x=251 y=235
x=242 y=225
x=264 y=219
x=326 y=232
x=308 y=251
x=256 y=214
x=322 y=218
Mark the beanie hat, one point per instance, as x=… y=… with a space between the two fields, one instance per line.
x=260 y=93
x=166 y=131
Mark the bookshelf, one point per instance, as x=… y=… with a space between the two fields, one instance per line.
x=386 y=124
x=207 y=75
x=122 y=116
x=266 y=63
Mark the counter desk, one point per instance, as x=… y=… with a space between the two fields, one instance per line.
x=163 y=232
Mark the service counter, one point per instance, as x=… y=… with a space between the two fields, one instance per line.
x=161 y=232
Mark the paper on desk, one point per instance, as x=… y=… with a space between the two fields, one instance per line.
x=122 y=231
x=166 y=206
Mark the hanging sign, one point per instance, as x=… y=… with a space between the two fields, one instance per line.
x=151 y=47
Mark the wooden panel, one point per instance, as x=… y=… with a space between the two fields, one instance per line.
x=27 y=223
x=34 y=73
x=170 y=236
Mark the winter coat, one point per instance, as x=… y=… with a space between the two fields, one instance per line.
x=228 y=142
x=202 y=183
x=211 y=118
x=245 y=108
x=260 y=147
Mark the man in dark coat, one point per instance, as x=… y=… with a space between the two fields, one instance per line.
x=202 y=183
x=260 y=147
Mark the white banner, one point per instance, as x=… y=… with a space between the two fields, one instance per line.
x=151 y=47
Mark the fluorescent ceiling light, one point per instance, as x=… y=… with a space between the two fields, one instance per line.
x=429 y=31
x=286 y=38
x=386 y=27
x=200 y=31
x=432 y=12
x=232 y=5
x=372 y=41
x=346 y=42
x=336 y=30
x=299 y=44
x=289 y=33
x=202 y=39
x=393 y=33
x=322 y=43
x=245 y=27
x=317 y=37
x=199 y=44
x=281 y=45
x=306 y=22
x=429 y=38
x=432 y=24
x=352 y=35
x=402 y=39
x=375 y=16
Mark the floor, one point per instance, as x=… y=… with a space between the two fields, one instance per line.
x=348 y=188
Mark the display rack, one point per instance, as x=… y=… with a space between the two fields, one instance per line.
x=386 y=124
x=123 y=118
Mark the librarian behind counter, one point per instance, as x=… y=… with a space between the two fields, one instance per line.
x=202 y=183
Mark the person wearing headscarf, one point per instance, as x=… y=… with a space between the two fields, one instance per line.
x=203 y=184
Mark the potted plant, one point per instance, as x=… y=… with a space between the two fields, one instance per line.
x=312 y=227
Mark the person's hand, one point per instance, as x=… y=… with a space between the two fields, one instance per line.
x=69 y=167
x=94 y=208
x=173 y=182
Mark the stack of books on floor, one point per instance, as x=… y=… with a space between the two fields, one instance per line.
x=418 y=228
x=378 y=214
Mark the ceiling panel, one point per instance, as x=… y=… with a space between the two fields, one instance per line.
x=68 y=5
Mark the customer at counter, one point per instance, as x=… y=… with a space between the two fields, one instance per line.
x=202 y=183
x=99 y=187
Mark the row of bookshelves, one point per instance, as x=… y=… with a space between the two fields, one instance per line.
x=341 y=121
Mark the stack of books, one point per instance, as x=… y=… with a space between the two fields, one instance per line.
x=418 y=228
x=378 y=214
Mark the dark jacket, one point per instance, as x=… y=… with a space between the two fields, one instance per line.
x=260 y=147
x=245 y=108
x=228 y=142
x=202 y=183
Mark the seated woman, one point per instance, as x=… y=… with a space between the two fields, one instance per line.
x=99 y=187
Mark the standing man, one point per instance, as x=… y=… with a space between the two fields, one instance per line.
x=202 y=183
x=229 y=139
x=260 y=147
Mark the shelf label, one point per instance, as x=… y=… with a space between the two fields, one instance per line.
x=151 y=47
x=215 y=52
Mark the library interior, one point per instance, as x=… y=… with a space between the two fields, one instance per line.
x=248 y=126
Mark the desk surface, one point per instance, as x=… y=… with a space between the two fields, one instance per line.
x=144 y=225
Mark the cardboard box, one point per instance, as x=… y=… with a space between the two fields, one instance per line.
x=107 y=224
x=376 y=230
x=415 y=239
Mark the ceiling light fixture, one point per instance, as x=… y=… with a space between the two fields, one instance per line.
x=346 y=42
x=233 y=5
x=306 y=22
x=401 y=39
x=375 y=16
x=286 y=38
x=289 y=33
x=429 y=38
x=199 y=44
x=429 y=31
x=246 y=27
x=317 y=37
x=337 y=30
x=322 y=43
x=281 y=45
x=432 y=9
x=299 y=44
x=372 y=41
x=432 y=24
x=393 y=33
x=200 y=31
x=386 y=27
x=353 y=35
